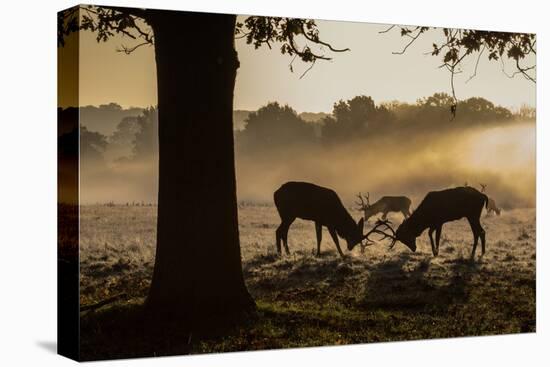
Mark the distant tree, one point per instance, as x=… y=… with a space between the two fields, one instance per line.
x=197 y=276
x=275 y=126
x=432 y=110
x=105 y=118
x=353 y=119
x=145 y=143
x=120 y=141
x=526 y=113
x=436 y=100
x=479 y=109
x=92 y=146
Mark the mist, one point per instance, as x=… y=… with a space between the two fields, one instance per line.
x=119 y=183
x=362 y=147
x=503 y=157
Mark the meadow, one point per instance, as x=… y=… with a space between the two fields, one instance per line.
x=304 y=300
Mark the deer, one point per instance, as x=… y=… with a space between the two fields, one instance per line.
x=321 y=205
x=491 y=206
x=440 y=207
x=385 y=205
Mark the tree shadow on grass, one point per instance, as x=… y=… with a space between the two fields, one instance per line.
x=390 y=287
x=127 y=330
x=301 y=276
x=122 y=330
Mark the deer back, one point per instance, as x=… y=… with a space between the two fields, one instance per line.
x=311 y=202
x=443 y=206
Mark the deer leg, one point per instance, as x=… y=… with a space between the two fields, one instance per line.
x=476 y=230
x=481 y=235
x=285 y=237
x=475 y=246
x=319 y=233
x=282 y=233
x=278 y=238
x=430 y=233
x=438 y=237
x=335 y=239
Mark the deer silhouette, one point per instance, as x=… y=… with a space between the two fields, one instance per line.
x=385 y=205
x=440 y=207
x=323 y=206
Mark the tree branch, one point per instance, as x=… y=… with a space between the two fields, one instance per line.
x=387 y=30
x=307 y=51
x=477 y=63
x=318 y=41
x=129 y=50
x=137 y=12
x=308 y=69
x=410 y=43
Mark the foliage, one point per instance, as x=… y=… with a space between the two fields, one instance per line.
x=459 y=44
x=67 y=23
x=275 y=126
x=145 y=143
x=133 y=23
x=354 y=118
x=92 y=144
x=260 y=31
x=122 y=138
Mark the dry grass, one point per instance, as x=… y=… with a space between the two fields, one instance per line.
x=305 y=300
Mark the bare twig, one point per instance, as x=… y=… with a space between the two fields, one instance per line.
x=387 y=30
x=521 y=70
x=129 y=50
x=413 y=38
x=308 y=69
x=477 y=63
x=318 y=41
x=306 y=49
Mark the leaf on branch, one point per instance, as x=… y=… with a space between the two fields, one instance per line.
x=458 y=44
x=435 y=52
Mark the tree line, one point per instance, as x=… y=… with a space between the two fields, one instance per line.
x=276 y=126
x=279 y=126
x=134 y=139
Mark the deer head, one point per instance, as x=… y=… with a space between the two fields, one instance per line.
x=355 y=236
x=365 y=206
x=406 y=235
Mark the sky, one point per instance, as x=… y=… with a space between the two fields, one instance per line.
x=369 y=68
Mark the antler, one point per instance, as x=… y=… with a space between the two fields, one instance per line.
x=367 y=197
x=362 y=203
x=483 y=187
x=385 y=225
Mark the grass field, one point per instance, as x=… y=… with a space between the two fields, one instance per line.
x=304 y=300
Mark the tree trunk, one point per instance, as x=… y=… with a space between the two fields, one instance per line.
x=197 y=278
